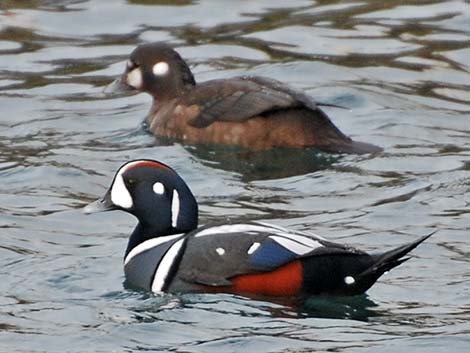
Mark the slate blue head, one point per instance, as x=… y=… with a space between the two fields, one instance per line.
x=155 y=194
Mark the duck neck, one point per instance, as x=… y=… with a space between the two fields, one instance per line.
x=144 y=232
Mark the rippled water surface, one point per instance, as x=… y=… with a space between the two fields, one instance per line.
x=401 y=68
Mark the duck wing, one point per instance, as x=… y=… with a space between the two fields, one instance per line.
x=242 y=98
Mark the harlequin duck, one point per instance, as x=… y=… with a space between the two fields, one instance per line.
x=254 y=112
x=167 y=252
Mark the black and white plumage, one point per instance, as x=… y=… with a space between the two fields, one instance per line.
x=168 y=252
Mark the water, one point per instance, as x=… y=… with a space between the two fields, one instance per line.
x=403 y=72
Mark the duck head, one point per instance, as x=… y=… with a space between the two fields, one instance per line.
x=155 y=68
x=155 y=194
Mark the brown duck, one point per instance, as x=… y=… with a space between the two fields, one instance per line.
x=254 y=112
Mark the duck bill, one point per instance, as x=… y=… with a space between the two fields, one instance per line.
x=100 y=205
x=118 y=86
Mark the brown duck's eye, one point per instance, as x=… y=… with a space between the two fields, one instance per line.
x=130 y=182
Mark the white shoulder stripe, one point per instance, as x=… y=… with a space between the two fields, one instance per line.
x=148 y=244
x=291 y=245
x=236 y=228
x=301 y=239
x=285 y=230
x=165 y=266
x=281 y=235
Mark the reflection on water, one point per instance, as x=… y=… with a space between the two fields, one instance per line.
x=401 y=69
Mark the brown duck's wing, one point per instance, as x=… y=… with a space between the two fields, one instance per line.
x=242 y=98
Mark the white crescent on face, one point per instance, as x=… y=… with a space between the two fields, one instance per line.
x=134 y=78
x=120 y=196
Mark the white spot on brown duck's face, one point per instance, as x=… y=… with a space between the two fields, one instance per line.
x=161 y=68
x=134 y=78
x=220 y=251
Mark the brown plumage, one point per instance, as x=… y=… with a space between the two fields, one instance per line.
x=254 y=112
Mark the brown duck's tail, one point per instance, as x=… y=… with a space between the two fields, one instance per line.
x=337 y=142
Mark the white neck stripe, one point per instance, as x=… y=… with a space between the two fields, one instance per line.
x=148 y=244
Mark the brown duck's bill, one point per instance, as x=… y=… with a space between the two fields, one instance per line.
x=118 y=86
x=100 y=205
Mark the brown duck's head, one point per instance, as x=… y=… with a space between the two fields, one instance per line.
x=155 y=68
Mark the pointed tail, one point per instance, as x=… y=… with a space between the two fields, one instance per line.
x=390 y=259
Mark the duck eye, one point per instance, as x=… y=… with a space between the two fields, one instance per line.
x=130 y=182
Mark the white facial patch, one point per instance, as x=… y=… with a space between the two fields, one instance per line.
x=349 y=280
x=120 y=196
x=175 y=208
x=129 y=64
x=158 y=188
x=134 y=78
x=161 y=68
x=220 y=251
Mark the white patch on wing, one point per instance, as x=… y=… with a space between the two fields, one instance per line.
x=161 y=68
x=253 y=248
x=175 y=208
x=349 y=280
x=165 y=266
x=134 y=78
x=220 y=251
x=158 y=188
x=148 y=244
x=291 y=245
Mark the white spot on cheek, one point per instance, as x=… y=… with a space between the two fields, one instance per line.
x=158 y=188
x=129 y=64
x=175 y=208
x=134 y=78
x=349 y=280
x=120 y=196
x=220 y=251
x=161 y=68
x=253 y=248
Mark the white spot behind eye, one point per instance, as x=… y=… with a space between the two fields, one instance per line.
x=120 y=196
x=220 y=251
x=134 y=78
x=158 y=188
x=175 y=208
x=161 y=68
x=349 y=280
